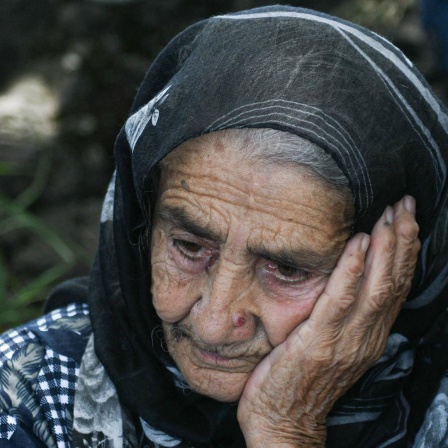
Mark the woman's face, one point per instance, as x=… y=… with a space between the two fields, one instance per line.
x=241 y=251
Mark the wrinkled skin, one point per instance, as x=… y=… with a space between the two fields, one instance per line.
x=261 y=297
x=344 y=335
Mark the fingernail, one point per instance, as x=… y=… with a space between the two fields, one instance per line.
x=365 y=242
x=409 y=203
x=389 y=215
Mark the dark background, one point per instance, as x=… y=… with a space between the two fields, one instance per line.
x=68 y=73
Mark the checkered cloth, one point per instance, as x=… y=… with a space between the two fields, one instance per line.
x=56 y=390
x=8 y=425
x=39 y=366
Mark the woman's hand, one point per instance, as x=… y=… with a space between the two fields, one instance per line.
x=288 y=396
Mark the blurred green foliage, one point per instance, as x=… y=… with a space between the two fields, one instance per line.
x=378 y=15
x=19 y=301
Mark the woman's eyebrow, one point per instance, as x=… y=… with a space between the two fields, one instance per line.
x=178 y=217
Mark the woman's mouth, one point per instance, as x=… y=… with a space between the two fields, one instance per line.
x=212 y=359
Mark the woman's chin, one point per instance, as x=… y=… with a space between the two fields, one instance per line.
x=222 y=383
x=213 y=385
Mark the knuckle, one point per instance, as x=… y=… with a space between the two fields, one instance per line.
x=381 y=296
x=355 y=269
x=402 y=281
x=408 y=231
x=342 y=305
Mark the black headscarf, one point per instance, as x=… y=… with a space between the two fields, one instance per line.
x=343 y=88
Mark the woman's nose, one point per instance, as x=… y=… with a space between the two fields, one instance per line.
x=226 y=310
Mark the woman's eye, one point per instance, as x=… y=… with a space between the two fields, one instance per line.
x=187 y=247
x=193 y=257
x=287 y=271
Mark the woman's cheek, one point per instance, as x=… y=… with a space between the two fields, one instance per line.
x=173 y=293
x=301 y=292
x=288 y=310
x=166 y=285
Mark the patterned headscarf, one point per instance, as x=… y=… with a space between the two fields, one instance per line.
x=341 y=87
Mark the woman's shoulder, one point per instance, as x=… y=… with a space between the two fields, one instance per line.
x=39 y=366
x=64 y=331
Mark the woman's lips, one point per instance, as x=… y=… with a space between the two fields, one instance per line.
x=212 y=356
x=213 y=359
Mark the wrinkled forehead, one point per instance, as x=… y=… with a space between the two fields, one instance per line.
x=267 y=147
x=245 y=166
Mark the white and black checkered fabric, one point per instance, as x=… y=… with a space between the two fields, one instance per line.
x=56 y=388
x=12 y=341
x=39 y=366
x=8 y=425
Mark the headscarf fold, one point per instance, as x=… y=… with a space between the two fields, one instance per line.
x=343 y=88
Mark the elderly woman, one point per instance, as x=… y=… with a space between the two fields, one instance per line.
x=258 y=244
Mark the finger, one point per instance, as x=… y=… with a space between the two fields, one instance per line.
x=382 y=243
x=408 y=245
x=376 y=290
x=340 y=292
